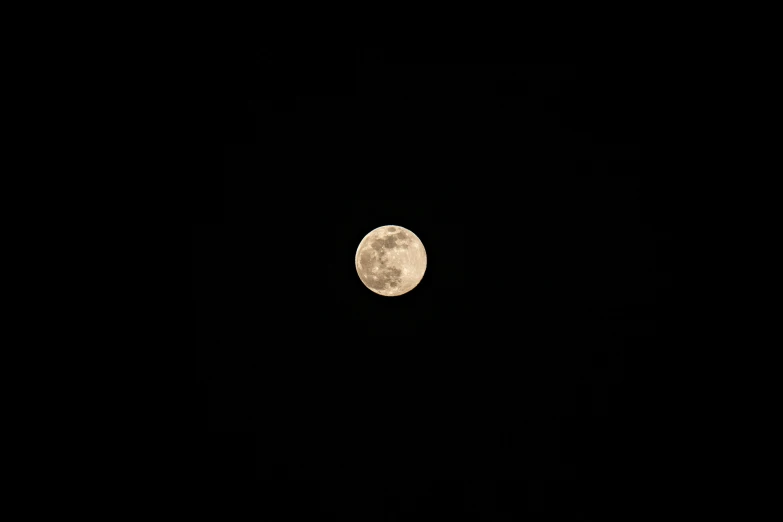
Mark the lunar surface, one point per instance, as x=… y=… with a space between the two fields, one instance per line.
x=391 y=260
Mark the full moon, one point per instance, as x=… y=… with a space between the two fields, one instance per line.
x=391 y=260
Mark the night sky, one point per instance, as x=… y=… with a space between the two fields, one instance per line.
x=502 y=387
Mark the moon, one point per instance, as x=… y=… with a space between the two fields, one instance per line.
x=391 y=260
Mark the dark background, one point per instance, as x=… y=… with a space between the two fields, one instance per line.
x=498 y=388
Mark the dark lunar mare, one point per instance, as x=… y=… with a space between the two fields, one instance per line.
x=390 y=242
x=387 y=276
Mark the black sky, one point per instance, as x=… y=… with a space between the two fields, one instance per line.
x=504 y=373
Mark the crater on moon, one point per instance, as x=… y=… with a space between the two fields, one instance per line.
x=386 y=264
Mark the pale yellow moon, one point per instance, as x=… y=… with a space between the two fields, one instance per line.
x=391 y=260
